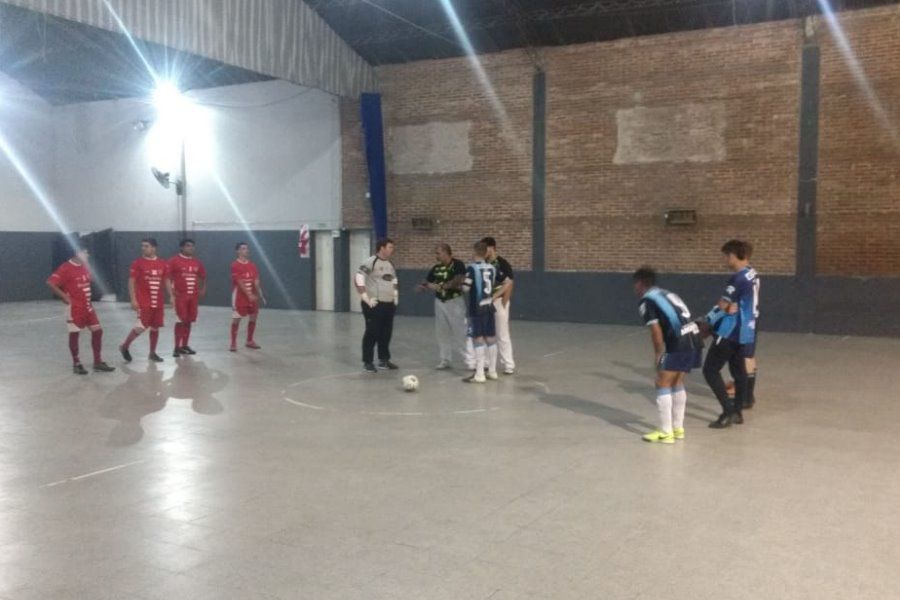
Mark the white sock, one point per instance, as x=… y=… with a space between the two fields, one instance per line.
x=664 y=402
x=492 y=358
x=679 y=403
x=479 y=360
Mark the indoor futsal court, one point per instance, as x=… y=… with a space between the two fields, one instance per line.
x=449 y=299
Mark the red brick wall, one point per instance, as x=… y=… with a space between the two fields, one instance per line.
x=494 y=197
x=604 y=216
x=355 y=211
x=859 y=161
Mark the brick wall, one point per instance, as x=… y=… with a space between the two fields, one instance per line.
x=859 y=160
x=605 y=210
x=493 y=196
x=355 y=210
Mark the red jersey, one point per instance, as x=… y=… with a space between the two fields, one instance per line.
x=75 y=281
x=186 y=273
x=244 y=276
x=149 y=276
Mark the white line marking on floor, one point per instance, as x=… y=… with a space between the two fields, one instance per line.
x=304 y=405
x=41 y=320
x=554 y=354
x=93 y=474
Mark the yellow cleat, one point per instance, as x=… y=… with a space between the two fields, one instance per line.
x=659 y=437
x=678 y=434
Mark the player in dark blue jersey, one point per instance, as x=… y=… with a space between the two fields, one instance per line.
x=481 y=285
x=733 y=323
x=678 y=348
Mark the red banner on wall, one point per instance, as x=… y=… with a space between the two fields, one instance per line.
x=303 y=244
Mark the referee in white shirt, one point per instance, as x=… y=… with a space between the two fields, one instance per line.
x=376 y=283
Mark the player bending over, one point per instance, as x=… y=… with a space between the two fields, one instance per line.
x=146 y=280
x=71 y=282
x=480 y=283
x=678 y=349
x=246 y=294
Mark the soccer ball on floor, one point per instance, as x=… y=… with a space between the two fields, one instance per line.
x=410 y=383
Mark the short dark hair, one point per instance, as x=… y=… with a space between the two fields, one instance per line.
x=646 y=276
x=382 y=243
x=185 y=242
x=489 y=242
x=445 y=248
x=743 y=250
x=480 y=248
x=239 y=244
x=151 y=241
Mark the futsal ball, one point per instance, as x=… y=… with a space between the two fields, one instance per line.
x=410 y=383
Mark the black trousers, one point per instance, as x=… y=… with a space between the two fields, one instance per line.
x=379 y=329
x=723 y=352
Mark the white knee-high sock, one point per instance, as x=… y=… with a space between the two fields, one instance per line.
x=479 y=359
x=679 y=403
x=492 y=357
x=664 y=403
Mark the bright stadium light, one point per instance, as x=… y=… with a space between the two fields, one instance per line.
x=169 y=103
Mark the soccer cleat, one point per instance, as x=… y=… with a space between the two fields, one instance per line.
x=387 y=364
x=177 y=353
x=155 y=357
x=722 y=422
x=187 y=350
x=509 y=371
x=474 y=378
x=126 y=355
x=102 y=367
x=79 y=369
x=493 y=376
x=253 y=345
x=232 y=349
x=369 y=367
x=678 y=433
x=443 y=365
x=659 y=437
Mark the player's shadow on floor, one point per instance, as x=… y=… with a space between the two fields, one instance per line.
x=194 y=381
x=645 y=390
x=141 y=394
x=617 y=417
x=146 y=392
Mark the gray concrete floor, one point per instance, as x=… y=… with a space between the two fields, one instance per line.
x=287 y=473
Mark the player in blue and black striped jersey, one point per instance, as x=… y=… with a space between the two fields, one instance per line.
x=733 y=323
x=481 y=285
x=678 y=347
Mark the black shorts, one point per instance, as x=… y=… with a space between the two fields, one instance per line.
x=482 y=325
x=681 y=361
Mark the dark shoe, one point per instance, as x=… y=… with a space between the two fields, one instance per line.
x=126 y=355
x=155 y=357
x=748 y=404
x=187 y=350
x=79 y=369
x=102 y=367
x=370 y=368
x=722 y=422
x=253 y=345
x=386 y=364
x=737 y=419
x=177 y=353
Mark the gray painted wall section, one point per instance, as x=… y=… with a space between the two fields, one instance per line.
x=839 y=305
x=216 y=250
x=26 y=261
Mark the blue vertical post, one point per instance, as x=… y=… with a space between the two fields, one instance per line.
x=373 y=133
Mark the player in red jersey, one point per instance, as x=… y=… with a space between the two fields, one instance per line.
x=187 y=285
x=146 y=281
x=246 y=294
x=72 y=283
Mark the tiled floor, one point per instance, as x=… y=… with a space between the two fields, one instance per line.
x=287 y=473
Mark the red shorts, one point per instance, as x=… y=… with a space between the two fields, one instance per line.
x=245 y=309
x=186 y=308
x=151 y=317
x=78 y=318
